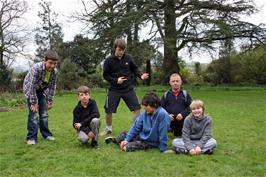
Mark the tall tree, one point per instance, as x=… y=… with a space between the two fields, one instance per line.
x=49 y=34
x=197 y=24
x=84 y=53
x=12 y=40
x=190 y=24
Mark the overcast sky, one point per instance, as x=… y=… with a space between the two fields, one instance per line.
x=65 y=8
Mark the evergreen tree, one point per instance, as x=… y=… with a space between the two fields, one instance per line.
x=49 y=33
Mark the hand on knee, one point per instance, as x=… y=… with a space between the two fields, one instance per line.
x=91 y=135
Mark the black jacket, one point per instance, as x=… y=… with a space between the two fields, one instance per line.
x=85 y=115
x=115 y=67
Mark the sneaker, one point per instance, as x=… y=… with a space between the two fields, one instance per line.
x=106 y=132
x=50 y=138
x=169 y=151
x=110 y=139
x=95 y=145
x=31 y=142
x=209 y=152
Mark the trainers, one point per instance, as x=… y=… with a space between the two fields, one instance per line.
x=31 y=142
x=50 y=138
x=95 y=145
x=169 y=151
x=106 y=132
x=110 y=139
x=209 y=152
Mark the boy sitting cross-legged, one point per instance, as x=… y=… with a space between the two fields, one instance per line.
x=86 y=118
x=148 y=131
x=197 y=132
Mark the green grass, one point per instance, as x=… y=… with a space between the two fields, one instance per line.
x=239 y=128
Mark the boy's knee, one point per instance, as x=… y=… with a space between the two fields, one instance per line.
x=82 y=137
x=95 y=121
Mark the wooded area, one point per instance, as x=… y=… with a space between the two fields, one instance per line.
x=174 y=25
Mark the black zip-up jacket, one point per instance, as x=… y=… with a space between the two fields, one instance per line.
x=85 y=115
x=114 y=68
x=176 y=104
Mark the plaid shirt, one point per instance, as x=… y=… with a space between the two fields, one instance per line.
x=34 y=81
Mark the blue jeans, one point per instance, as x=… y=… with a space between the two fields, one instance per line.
x=36 y=119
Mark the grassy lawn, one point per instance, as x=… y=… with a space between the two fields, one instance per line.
x=239 y=128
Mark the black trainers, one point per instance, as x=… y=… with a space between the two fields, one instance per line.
x=110 y=139
x=95 y=145
x=209 y=152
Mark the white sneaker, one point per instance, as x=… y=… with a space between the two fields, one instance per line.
x=106 y=131
x=31 y=142
x=50 y=138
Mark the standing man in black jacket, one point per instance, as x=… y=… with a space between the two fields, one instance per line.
x=86 y=118
x=120 y=70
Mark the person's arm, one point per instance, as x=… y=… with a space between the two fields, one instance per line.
x=207 y=134
x=186 y=133
x=94 y=113
x=186 y=111
x=135 y=128
x=32 y=82
x=106 y=73
x=76 y=114
x=52 y=88
x=163 y=130
x=164 y=105
x=134 y=68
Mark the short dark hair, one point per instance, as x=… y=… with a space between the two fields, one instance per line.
x=120 y=42
x=151 y=99
x=51 y=55
x=83 y=89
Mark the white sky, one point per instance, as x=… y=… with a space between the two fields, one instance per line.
x=65 y=8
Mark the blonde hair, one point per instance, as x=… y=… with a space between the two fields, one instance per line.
x=197 y=103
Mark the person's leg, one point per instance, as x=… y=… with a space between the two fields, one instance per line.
x=137 y=145
x=117 y=140
x=209 y=146
x=94 y=126
x=135 y=115
x=32 y=125
x=43 y=120
x=82 y=137
x=179 y=146
x=109 y=119
x=111 y=104
x=178 y=128
x=132 y=103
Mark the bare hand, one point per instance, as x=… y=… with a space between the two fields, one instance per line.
x=171 y=117
x=91 y=135
x=120 y=80
x=192 y=151
x=34 y=108
x=123 y=145
x=77 y=125
x=179 y=117
x=144 y=76
x=198 y=150
x=49 y=106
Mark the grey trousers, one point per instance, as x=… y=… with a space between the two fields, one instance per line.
x=179 y=145
x=94 y=126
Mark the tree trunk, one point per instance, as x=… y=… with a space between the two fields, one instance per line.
x=170 y=60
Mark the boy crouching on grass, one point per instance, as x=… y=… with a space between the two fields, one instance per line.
x=196 y=132
x=86 y=118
